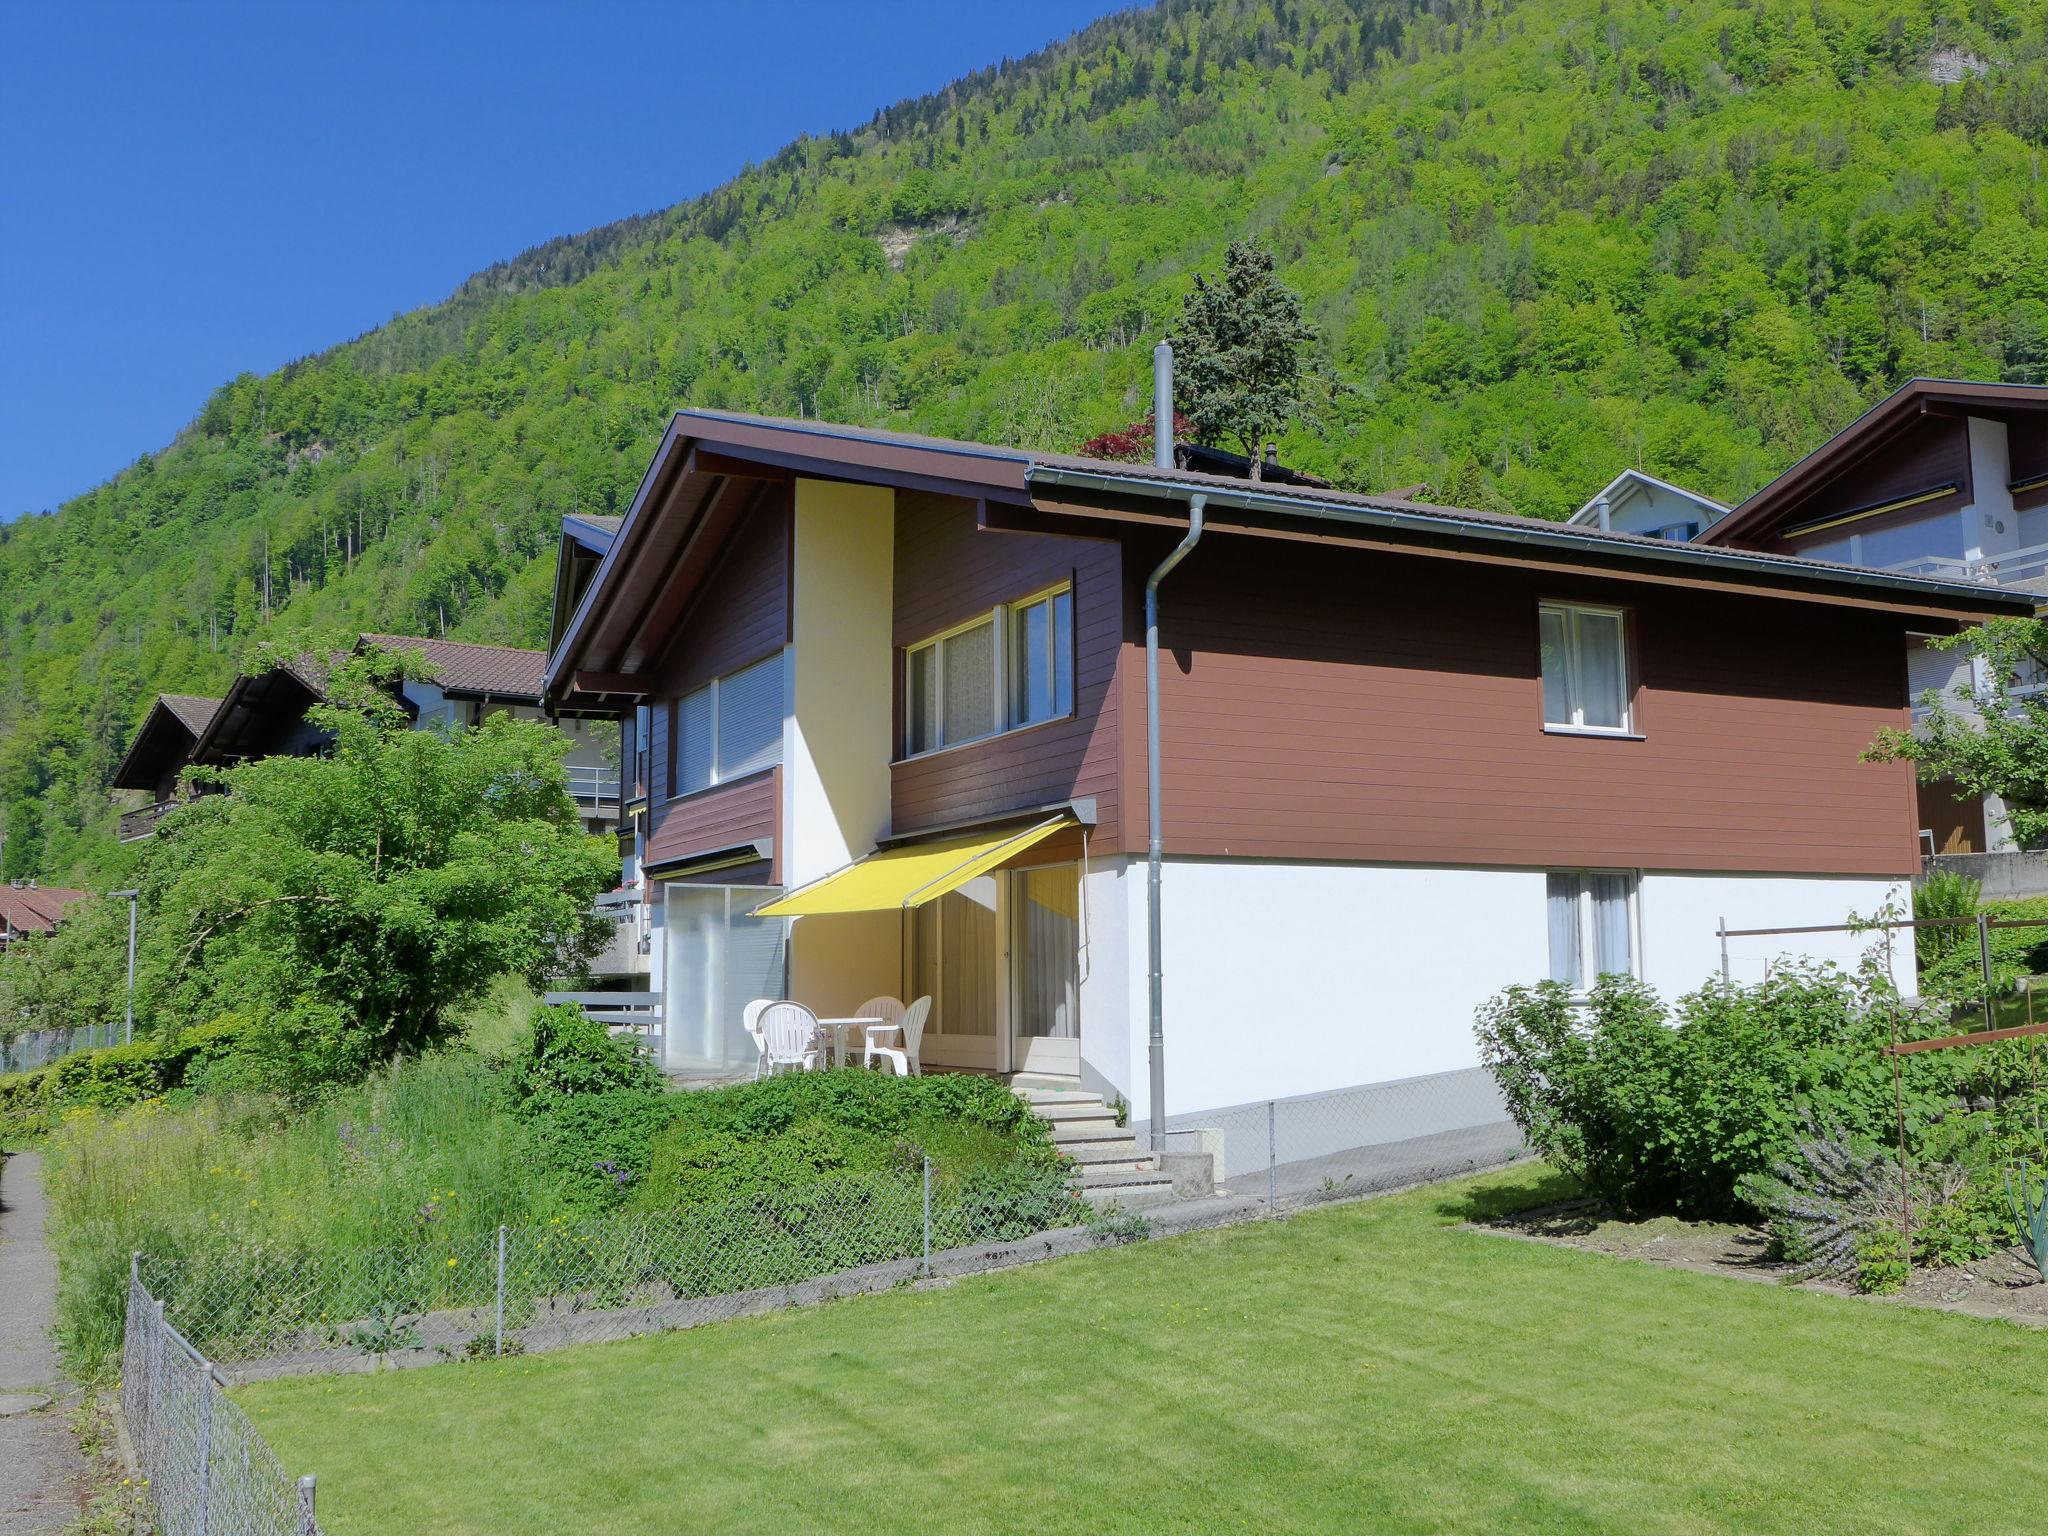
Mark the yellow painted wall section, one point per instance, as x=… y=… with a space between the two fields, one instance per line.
x=840 y=733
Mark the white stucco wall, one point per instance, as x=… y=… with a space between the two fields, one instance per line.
x=1288 y=979
x=1681 y=914
x=1107 y=1066
x=838 y=734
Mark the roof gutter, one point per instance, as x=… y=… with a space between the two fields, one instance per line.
x=1560 y=537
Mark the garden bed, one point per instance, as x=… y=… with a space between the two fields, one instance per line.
x=2001 y=1286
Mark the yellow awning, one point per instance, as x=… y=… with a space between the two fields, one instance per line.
x=909 y=876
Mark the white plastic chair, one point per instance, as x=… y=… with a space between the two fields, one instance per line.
x=791 y=1037
x=911 y=1027
x=890 y=1011
x=750 y=1021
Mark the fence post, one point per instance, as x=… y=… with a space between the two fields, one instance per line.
x=1722 y=930
x=307 y=1526
x=498 y=1338
x=1272 y=1149
x=1984 y=959
x=927 y=1218
x=200 y=1523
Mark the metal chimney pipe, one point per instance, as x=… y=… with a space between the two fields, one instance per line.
x=1162 y=406
x=1600 y=513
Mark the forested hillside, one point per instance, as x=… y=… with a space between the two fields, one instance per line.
x=1540 y=241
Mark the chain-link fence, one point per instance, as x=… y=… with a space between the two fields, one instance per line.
x=39 y=1047
x=206 y=1470
x=1353 y=1141
x=262 y=1311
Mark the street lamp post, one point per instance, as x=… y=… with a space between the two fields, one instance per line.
x=128 y=1023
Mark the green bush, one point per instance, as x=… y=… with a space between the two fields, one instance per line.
x=595 y=1147
x=1654 y=1113
x=1881 y=1268
x=568 y=1054
x=1955 y=974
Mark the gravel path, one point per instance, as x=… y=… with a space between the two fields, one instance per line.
x=42 y=1472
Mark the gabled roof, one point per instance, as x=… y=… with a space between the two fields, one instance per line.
x=593 y=533
x=1868 y=433
x=35 y=908
x=173 y=727
x=707 y=459
x=1631 y=483
x=463 y=670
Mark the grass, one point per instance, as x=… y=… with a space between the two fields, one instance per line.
x=1369 y=1367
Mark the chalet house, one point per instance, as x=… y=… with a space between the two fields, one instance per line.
x=264 y=715
x=28 y=909
x=1941 y=478
x=1637 y=502
x=886 y=703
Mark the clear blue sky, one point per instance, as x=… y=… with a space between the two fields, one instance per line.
x=188 y=191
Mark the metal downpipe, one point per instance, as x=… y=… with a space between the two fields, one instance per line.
x=1155 y=845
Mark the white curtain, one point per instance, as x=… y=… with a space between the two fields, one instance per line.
x=1557 y=667
x=970 y=683
x=1048 y=951
x=1562 y=909
x=1598 y=669
x=1611 y=927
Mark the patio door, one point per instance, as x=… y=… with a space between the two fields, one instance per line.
x=1045 y=943
x=955 y=958
x=719 y=959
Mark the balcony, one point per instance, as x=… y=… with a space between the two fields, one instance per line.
x=141 y=822
x=593 y=788
x=2029 y=563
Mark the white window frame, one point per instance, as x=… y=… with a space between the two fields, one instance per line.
x=1576 y=726
x=1589 y=947
x=1000 y=619
x=675 y=720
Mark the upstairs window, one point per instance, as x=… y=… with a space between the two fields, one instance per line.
x=1676 y=533
x=1592 y=922
x=1585 y=668
x=1010 y=668
x=729 y=728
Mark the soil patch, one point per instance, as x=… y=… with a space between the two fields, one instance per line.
x=2003 y=1286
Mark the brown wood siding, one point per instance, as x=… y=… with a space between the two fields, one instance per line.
x=723 y=816
x=1328 y=704
x=1934 y=450
x=742 y=616
x=948 y=570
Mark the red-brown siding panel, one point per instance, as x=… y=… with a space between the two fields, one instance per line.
x=744 y=611
x=948 y=570
x=718 y=818
x=1319 y=703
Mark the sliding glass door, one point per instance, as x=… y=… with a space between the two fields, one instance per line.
x=719 y=959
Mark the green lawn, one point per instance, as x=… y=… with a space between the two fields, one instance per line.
x=1367 y=1367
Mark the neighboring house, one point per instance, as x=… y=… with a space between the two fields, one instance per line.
x=1941 y=478
x=264 y=715
x=886 y=700
x=27 y=909
x=1635 y=502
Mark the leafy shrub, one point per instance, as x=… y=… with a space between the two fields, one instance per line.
x=1956 y=974
x=1881 y=1268
x=569 y=1054
x=1586 y=1085
x=584 y=1143
x=1944 y=894
x=1651 y=1113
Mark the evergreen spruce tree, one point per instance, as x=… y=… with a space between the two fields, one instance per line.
x=1240 y=354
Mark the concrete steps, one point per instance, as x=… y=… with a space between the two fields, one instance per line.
x=1109 y=1166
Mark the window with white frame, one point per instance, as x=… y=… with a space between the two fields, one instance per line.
x=1592 y=922
x=729 y=728
x=1585 y=668
x=1007 y=669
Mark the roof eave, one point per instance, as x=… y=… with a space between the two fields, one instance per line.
x=1559 y=538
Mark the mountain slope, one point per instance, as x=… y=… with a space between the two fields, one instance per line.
x=1541 y=241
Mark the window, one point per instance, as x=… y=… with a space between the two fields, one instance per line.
x=1676 y=533
x=1585 y=668
x=1592 y=926
x=729 y=728
x=1013 y=668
